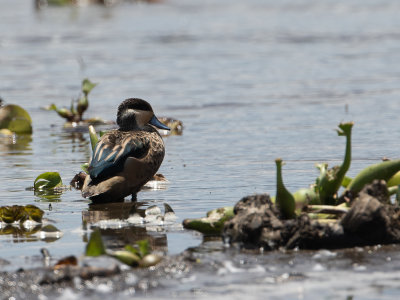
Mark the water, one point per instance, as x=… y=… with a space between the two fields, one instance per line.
x=251 y=81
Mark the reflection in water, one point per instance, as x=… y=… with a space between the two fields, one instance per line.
x=116 y=233
x=15 y=144
x=52 y=195
x=26 y=232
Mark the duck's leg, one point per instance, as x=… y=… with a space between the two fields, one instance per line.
x=134 y=197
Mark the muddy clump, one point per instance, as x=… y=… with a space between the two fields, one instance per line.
x=371 y=220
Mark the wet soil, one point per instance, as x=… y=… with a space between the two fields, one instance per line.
x=370 y=221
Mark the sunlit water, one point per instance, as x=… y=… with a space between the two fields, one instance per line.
x=251 y=81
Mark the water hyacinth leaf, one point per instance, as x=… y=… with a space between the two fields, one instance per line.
x=394 y=180
x=15 y=118
x=304 y=197
x=284 y=200
x=383 y=170
x=34 y=213
x=14 y=213
x=87 y=86
x=213 y=223
x=93 y=137
x=330 y=180
x=95 y=246
x=47 y=180
x=83 y=104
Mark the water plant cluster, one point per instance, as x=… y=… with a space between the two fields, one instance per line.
x=321 y=200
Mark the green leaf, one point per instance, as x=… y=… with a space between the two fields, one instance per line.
x=34 y=213
x=127 y=257
x=95 y=246
x=87 y=86
x=144 y=247
x=93 y=136
x=133 y=250
x=15 y=118
x=84 y=168
x=47 y=180
x=284 y=200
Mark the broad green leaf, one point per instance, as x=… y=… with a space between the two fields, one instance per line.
x=95 y=246
x=48 y=180
x=87 y=86
x=34 y=213
x=15 y=118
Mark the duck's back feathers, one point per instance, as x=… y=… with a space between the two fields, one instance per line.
x=113 y=149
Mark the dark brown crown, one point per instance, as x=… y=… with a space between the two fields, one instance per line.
x=131 y=103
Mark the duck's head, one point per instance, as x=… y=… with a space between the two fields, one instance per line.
x=134 y=113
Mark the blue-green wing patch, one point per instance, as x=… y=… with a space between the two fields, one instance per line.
x=109 y=159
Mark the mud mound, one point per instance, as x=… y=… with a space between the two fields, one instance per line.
x=371 y=220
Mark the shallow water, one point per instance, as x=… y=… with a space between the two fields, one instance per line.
x=251 y=81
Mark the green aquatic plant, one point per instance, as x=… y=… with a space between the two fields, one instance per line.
x=284 y=200
x=75 y=113
x=47 y=181
x=15 y=119
x=95 y=246
x=213 y=223
x=19 y=213
x=383 y=171
x=138 y=255
x=330 y=180
x=93 y=137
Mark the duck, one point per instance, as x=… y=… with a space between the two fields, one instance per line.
x=126 y=158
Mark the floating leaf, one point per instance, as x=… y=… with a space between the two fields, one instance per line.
x=95 y=246
x=15 y=118
x=47 y=180
x=87 y=86
x=14 y=213
x=34 y=213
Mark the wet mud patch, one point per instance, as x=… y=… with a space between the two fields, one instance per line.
x=371 y=220
x=93 y=278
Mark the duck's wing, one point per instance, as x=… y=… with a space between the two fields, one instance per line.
x=110 y=154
